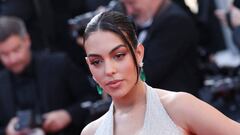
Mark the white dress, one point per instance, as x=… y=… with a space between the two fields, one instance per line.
x=156 y=121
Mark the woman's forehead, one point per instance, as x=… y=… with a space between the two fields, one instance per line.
x=102 y=40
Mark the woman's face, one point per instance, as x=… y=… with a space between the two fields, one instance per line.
x=111 y=62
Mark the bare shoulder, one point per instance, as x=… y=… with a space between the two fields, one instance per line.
x=179 y=102
x=91 y=128
x=176 y=100
x=195 y=116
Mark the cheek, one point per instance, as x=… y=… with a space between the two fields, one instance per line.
x=96 y=73
x=20 y=58
x=23 y=55
x=128 y=69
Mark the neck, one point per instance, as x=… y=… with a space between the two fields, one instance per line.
x=136 y=96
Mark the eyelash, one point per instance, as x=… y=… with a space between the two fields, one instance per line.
x=118 y=56
x=96 y=62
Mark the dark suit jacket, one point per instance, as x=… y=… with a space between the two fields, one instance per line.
x=60 y=86
x=170 y=51
x=237 y=3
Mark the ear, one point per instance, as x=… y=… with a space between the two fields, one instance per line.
x=140 y=53
x=27 y=40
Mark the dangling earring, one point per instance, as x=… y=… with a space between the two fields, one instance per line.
x=142 y=74
x=99 y=89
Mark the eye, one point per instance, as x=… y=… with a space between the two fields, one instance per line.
x=18 y=48
x=119 y=56
x=96 y=62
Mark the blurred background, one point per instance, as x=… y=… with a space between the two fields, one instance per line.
x=58 y=26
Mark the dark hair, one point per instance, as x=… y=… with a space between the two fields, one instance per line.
x=117 y=23
x=11 y=26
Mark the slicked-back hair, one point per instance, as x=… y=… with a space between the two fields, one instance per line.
x=119 y=24
x=9 y=26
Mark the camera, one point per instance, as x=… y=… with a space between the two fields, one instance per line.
x=78 y=23
x=28 y=119
x=222 y=90
x=96 y=108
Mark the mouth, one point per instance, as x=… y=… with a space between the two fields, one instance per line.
x=114 y=83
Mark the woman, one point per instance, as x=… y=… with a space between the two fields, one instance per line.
x=114 y=57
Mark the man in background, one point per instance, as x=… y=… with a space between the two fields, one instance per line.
x=170 y=40
x=38 y=84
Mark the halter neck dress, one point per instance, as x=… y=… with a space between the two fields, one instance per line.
x=156 y=121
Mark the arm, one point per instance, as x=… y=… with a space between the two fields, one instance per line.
x=10 y=128
x=56 y=120
x=200 y=118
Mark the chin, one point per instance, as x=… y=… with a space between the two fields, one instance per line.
x=118 y=94
x=114 y=93
x=17 y=70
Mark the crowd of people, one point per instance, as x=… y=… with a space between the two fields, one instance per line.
x=143 y=55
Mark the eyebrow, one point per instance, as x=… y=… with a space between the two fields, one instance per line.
x=114 y=49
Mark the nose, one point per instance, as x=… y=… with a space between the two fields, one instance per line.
x=110 y=68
